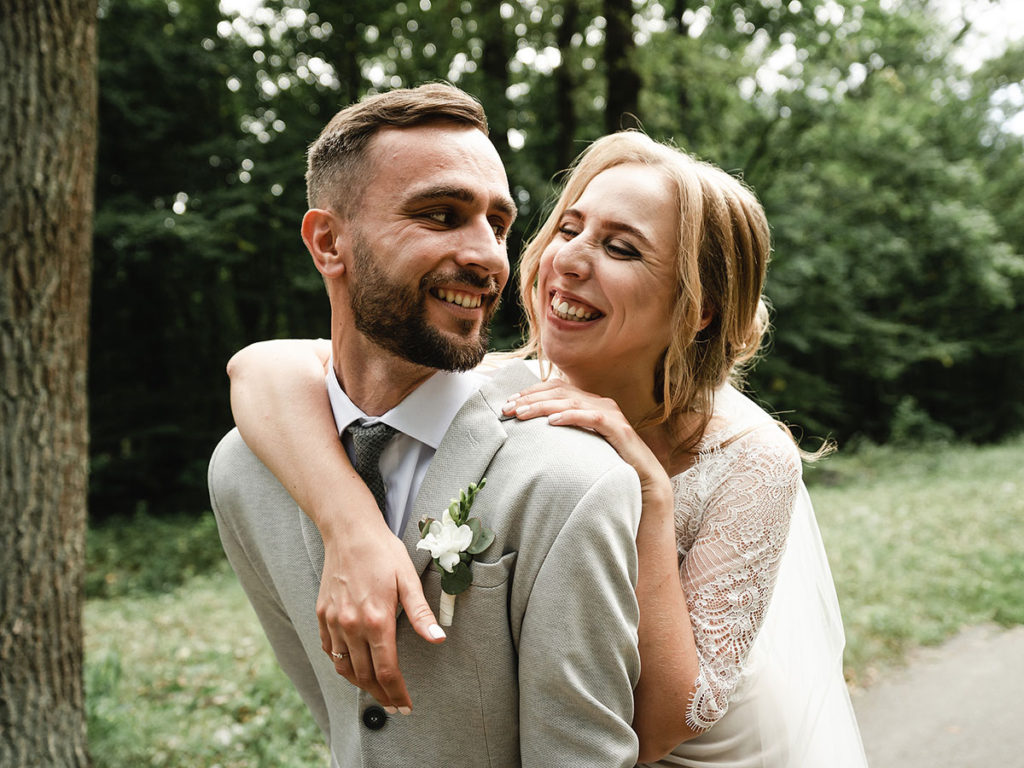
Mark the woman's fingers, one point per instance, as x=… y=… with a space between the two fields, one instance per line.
x=541 y=399
x=522 y=409
x=356 y=612
x=356 y=662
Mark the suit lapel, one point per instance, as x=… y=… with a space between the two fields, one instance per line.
x=464 y=454
x=462 y=458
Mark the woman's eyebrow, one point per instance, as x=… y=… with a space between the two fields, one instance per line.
x=612 y=224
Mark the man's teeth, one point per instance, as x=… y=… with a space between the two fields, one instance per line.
x=462 y=299
x=568 y=311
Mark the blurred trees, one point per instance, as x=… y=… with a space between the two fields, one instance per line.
x=886 y=169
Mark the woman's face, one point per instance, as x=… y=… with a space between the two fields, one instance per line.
x=607 y=281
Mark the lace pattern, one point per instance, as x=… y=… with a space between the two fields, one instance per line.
x=732 y=512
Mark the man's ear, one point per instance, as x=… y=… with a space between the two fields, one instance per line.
x=324 y=234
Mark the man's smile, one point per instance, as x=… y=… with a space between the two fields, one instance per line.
x=460 y=298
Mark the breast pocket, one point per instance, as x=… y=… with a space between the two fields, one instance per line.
x=481 y=656
x=484 y=606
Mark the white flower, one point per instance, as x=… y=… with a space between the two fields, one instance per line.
x=446 y=540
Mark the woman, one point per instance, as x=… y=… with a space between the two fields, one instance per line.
x=643 y=291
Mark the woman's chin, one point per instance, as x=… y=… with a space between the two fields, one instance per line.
x=569 y=359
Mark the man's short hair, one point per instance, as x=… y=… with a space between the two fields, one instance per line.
x=336 y=171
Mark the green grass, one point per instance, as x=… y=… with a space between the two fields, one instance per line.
x=178 y=672
x=921 y=543
x=186 y=679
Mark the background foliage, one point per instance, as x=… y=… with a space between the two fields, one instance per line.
x=887 y=168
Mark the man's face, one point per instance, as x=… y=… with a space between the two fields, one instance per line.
x=428 y=244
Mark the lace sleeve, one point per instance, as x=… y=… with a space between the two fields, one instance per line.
x=746 y=493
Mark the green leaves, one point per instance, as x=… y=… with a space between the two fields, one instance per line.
x=482 y=537
x=458 y=580
x=459 y=508
x=890 y=181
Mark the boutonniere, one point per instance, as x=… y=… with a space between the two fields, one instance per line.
x=453 y=541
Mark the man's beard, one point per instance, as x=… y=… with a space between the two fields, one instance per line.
x=394 y=316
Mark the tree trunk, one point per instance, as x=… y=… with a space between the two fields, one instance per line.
x=683 y=31
x=623 y=106
x=565 y=88
x=47 y=164
x=494 y=66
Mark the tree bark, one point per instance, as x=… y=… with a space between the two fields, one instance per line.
x=623 y=106
x=47 y=165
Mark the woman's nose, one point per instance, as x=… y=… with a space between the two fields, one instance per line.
x=573 y=259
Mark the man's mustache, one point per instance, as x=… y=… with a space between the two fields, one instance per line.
x=465 y=277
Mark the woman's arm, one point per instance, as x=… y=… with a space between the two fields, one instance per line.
x=730 y=570
x=668 y=654
x=282 y=411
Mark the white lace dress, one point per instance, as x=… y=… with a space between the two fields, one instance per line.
x=762 y=603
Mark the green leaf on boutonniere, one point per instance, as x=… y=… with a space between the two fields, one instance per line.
x=458 y=580
x=482 y=537
x=425 y=525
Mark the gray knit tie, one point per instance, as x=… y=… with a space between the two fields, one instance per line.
x=369 y=442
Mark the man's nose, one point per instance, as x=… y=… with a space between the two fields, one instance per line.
x=481 y=250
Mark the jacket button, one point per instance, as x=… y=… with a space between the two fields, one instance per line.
x=374 y=718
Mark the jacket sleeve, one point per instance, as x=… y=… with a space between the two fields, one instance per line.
x=578 y=658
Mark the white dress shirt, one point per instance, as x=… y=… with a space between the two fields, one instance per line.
x=421 y=419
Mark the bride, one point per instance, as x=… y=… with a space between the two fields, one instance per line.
x=643 y=293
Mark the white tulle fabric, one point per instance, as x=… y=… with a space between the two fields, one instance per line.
x=763 y=606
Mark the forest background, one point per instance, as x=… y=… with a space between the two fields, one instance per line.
x=887 y=153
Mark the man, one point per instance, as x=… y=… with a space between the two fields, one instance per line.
x=409 y=206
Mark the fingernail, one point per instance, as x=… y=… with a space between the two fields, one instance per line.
x=391 y=710
x=522 y=410
x=509 y=406
x=554 y=418
x=436 y=632
x=405 y=710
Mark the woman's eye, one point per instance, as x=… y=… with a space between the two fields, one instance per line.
x=622 y=251
x=567 y=231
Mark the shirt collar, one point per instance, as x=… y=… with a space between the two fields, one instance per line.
x=424 y=415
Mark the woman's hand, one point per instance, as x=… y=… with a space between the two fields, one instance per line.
x=566 y=405
x=367 y=574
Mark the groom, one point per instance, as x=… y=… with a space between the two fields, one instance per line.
x=409 y=207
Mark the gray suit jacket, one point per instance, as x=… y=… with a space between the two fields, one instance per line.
x=539 y=665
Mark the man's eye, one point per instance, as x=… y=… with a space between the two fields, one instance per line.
x=441 y=217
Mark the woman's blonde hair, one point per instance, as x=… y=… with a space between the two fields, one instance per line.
x=722 y=255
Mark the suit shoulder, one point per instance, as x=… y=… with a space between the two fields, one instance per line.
x=565 y=457
x=230 y=455
x=235 y=470
x=573 y=443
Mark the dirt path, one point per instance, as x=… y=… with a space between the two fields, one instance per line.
x=960 y=705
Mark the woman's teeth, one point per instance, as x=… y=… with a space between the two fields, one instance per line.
x=567 y=311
